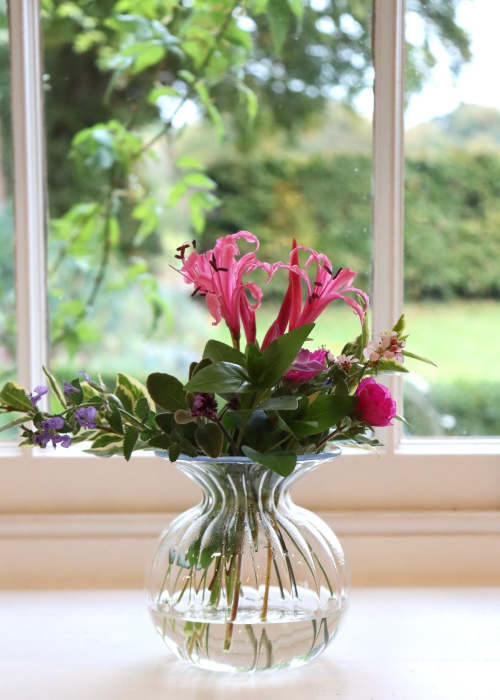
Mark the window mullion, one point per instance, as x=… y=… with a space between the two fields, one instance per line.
x=29 y=189
x=388 y=178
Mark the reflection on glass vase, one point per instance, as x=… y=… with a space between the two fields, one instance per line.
x=247 y=580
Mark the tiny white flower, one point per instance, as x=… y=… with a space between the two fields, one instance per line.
x=346 y=361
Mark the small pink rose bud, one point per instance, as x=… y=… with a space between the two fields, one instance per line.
x=375 y=403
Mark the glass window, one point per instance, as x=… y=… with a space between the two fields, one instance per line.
x=452 y=229
x=7 y=286
x=172 y=121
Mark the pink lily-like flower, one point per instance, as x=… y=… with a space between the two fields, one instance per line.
x=327 y=286
x=294 y=292
x=218 y=276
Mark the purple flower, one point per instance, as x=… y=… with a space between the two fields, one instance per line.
x=42 y=438
x=49 y=433
x=55 y=423
x=84 y=375
x=69 y=388
x=204 y=405
x=86 y=416
x=37 y=394
x=64 y=440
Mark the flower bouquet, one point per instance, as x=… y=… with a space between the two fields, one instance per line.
x=245 y=580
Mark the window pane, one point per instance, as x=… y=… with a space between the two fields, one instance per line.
x=7 y=287
x=452 y=235
x=169 y=121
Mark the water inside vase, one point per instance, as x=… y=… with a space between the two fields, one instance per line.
x=290 y=636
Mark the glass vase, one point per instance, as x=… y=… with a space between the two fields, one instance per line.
x=247 y=580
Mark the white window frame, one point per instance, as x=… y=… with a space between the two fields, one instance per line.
x=409 y=474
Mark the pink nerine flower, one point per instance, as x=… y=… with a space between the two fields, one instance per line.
x=307 y=365
x=327 y=286
x=375 y=403
x=218 y=276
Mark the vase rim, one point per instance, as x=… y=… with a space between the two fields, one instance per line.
x=241 y=459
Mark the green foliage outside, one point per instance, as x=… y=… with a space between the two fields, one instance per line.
x=118 y=73
x=452 y=231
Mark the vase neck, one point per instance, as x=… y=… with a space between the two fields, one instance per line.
x=233 y=482
x=233 y=485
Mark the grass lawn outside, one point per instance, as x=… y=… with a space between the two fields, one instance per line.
x=462 y=337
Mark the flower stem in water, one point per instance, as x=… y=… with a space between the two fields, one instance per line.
x=263 y=614
x=234 y=607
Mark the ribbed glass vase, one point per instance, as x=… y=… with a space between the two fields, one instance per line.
x=247 y=580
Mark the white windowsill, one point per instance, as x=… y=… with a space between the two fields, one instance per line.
x=404 y=643
x=383 y=548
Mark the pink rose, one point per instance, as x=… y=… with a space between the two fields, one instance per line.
x=306 y=365
x=375 y=403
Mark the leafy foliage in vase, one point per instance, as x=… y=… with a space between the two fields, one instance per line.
x=270 y=402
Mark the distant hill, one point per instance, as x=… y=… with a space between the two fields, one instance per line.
x=469 y=127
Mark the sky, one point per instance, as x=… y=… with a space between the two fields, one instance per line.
x=478 y=81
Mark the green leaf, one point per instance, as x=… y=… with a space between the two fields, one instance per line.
x=278 y=17
x=55 y=387
x=166 y=391
x=162 y=91
x=280 y=462
x=210 y=439
x=104 y=439
x=148 y=56
x=260 y=6
x=254 y=361
x=142 y=408
x=365 y=335
x=297 y=8
x=114 y=419
x=161 y=442
x=219 y=378
x=187 y=76
x=131 y=435
x=108 y=446
x=82 y=437
x=187 y=162
x=212 y=110
x=385 y=365
x=260 y=432
x=221 y=352
x=126 y=397
x=205 y=362
x=281 y=403
x=12 y=423
x=14 y=395
x=177 y=191
x=207 y=553
x=251 y=102
x=137 y=389
x=418 y=357
x=279 y=355
x=164 y=421
x=400 y=324
x=174 y=451
x=322 y=414
x=199 y=180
